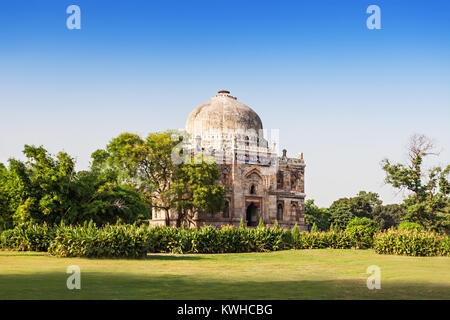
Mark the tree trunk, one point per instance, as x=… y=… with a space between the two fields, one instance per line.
x=180 y=218
x=167 y=218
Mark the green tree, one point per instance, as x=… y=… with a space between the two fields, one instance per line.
x=48 y=189
x=428 y=191
x=96 y=196
x=38 y=189
x=6 y=221
x=196 y=189
x=387 y=216
x=341 y=214
x=145 y=165
x=363 y=204
x=315 y=215
x=188 y=186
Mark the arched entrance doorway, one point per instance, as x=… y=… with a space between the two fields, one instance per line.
x=252 y=215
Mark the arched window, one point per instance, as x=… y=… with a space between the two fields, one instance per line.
x=252 y=189
x=280 y=212
x=226 y=210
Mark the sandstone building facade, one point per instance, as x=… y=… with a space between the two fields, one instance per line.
x=259 y=183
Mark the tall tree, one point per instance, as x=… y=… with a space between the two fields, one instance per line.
x=387 y=216
x=48 y=189
x=196 y=189
x=429 y=190
x=341 y=214
x=318 y=216
x=6 y=220
x=148 y=166
x=363 y=204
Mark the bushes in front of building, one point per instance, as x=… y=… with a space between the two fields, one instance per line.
x=411 y=243
x=27 y=237
x=114 y=241
x=211 y=240
x=133 y=241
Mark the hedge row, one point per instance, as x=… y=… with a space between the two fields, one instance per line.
x=411 y=243
x=136 y=241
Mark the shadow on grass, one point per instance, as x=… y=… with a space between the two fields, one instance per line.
x=121 y=285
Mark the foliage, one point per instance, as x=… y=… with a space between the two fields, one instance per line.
x=126 y=240
x=341 y=214
x=6 y=212
x=48 y=189
x=361 y=231
x=196 y=189
x=321 y=240
x=411 y=243
x=387 y=216
x=411 y=226
x=146 y=165
x=260 y=223
x=366 y=222
x=316 y=215
x=295 y=235
x=429 y=191
x=149 y=167
x=241 y=224
x=27 y=237
x=276 y=225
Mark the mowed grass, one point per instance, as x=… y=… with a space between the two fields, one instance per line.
x=294 y=274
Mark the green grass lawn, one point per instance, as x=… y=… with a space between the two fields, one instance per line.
x=294 y=274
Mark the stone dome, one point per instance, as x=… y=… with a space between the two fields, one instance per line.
x=223 y=114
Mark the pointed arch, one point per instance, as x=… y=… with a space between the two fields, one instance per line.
x=253 y=173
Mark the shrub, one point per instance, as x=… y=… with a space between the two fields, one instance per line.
x=91 y=241
x=132 y=241
x=411 y=243
x=27 y=237
x=276 y=225
x=361 y=230
x=260 y=224
x=410 y=226
x=322 y=240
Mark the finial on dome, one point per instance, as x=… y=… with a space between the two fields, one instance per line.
x=223 y=91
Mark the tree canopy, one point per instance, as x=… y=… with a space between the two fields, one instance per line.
x=429 y=190
x=148 y=166
x=47 y=188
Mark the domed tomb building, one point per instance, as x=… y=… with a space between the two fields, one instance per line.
x=259 y=183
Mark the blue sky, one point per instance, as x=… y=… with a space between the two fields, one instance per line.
x=342 y=94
